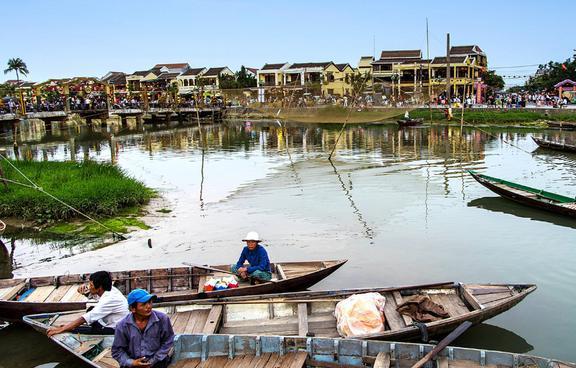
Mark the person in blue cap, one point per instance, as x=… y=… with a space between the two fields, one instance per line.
x=144 y=338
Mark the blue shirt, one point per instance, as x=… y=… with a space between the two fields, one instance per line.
x=257 y=258
x=153 y=343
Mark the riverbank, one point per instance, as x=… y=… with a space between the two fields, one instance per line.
x=532 y=118
x=99 y=190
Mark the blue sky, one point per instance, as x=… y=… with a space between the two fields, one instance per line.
x=80 y=38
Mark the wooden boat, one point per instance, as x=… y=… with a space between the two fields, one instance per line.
x=555 y=145
x=312 y=313
x=529 y=196
x=410 y=122
x=20 y=297
x=192 y=350
x=565 y=125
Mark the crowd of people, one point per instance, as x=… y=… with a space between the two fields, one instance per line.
x=12 y=105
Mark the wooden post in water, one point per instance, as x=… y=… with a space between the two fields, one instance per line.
x=429 y=72
x=448 y=89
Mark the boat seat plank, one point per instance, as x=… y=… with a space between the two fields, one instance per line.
x=393 y=318
x=72 y=295
x=488 y=298
x=302 y=319
x=187 y=363
x=441 y=300
x=10 y=292
x=58 y=294
x=442 y=362
x=40 y=294
x=474 y=303
x=177 y=293
x=104 y=359
x=399 y=300
x=281 y=275
x=212 y=320
x=197 y=321
x=67 y=318
x=180 y=322
x=382 y=360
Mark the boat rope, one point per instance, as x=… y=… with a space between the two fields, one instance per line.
x=33 y=185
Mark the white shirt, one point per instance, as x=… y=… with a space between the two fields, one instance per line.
x=110 y=309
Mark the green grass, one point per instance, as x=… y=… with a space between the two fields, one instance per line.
x=164 y=210
x=97 y=189
x=493 y=116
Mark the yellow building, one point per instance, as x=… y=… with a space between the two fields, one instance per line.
x=336 y=80
x=271 y=75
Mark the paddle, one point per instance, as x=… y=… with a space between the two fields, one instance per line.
x=443 y=343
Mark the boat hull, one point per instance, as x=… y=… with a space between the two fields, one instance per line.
x=554 y=146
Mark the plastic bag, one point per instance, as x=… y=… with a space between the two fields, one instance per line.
x=360 y=314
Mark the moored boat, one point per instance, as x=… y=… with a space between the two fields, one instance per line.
x=564 y=125
x=555 y=145
x=312 y=313
x=20 y=297
x=528 y=196
x=410 y=122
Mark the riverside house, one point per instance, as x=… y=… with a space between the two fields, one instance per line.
x=188 y=81
x=271 y=75
x=336 y=80
x=210 y=80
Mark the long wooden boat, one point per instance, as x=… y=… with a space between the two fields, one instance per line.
x=199 y=346
x=565 y=125
x=410 y=122
x=555 y=145
x=20 y=297
x=528 y=196
x=312 y=313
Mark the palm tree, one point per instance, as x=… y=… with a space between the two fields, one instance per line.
x=17 y=65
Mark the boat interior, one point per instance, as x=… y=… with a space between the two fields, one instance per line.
x=308 y=316
x=164 y=282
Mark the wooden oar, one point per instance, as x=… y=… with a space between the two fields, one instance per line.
x=207 y=268
x=443 y=343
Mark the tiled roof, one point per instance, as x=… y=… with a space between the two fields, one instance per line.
x=171 y=66
x=273 y=66
x=341 y=67
x=168 y=75
x=252 y=70
x=453 y=60
x=389 y=54
x=214 y=72
x=115 y=78
x=465 y=50
x=396 y=60
x=193 y=71
x=141 y=73
x=310 y=65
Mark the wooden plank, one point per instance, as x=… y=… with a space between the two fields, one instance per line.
x=261 y=363
x=302 y=319
x=399 y=300
x=197 y=321
x=470 y=299
x=482 y=291
x=488 y=298
x=181 y=321
x=201 y=282
x=213 y=320
x=40 y=294
x=382 y=360
x=441 y=299
x=58 y=294
x=442 y=362
x=11 y=292
x=393 y=318
x=280 y=272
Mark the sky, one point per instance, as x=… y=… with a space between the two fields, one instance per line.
x=66 y=38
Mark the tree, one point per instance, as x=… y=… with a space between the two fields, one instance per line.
x=493 y=80
x=245 y=80
x=549 y=74
x=17 y=65
x=227 y=81
x=358 y=82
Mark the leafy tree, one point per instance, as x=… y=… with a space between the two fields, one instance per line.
x=549 y=74
x=245 y=80
x=493 y=80
x=358 y=81
x=228 y=81
x=7 y=89
x=17 y=65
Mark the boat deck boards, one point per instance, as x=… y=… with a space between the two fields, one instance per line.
x=267 y=360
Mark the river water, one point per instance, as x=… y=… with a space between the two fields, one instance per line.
x=398 y=204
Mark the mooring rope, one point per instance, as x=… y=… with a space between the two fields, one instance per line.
x=41 y=190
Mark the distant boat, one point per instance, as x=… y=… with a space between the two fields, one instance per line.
x=555 y=145
x=410 y=122
x=528 y=196
x=565 y=125
x=20 y=297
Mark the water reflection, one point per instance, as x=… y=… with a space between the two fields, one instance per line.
x=491 y=337
x=503 y=205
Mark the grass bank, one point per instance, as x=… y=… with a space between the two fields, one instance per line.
x=496 y=117
x=98 y=189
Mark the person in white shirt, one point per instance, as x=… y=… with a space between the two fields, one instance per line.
x=111 y=307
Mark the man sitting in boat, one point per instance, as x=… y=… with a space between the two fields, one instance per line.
x=258 y=267
x=101 y=320
x=144 y=338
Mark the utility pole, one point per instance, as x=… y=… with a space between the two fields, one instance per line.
x=448 y=86
x=429 y=72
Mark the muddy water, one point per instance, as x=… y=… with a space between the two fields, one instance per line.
x=397 y=203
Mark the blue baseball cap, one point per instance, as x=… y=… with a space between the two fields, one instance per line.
x=140 y=296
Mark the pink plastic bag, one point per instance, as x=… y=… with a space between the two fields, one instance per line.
x=360 y=314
